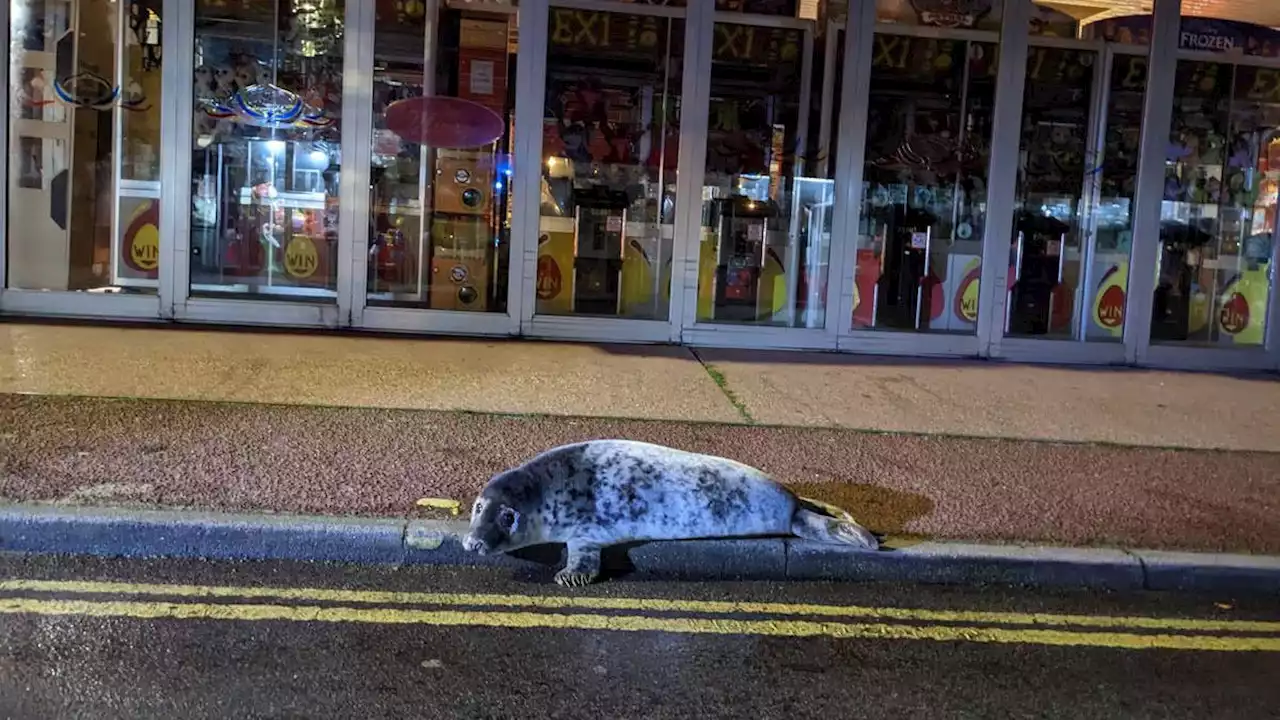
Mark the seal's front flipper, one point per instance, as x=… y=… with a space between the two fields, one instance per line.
x=582 y=566
x=832 y=531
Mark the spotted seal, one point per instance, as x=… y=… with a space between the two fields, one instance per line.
x=603 y=492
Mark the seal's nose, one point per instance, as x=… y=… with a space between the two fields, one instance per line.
x=471 y=543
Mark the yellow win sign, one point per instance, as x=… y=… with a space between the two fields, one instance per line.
x=300 y=257
x=145 y=250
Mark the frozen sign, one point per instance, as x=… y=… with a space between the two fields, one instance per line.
x=1199 y=34
x=1206 y=41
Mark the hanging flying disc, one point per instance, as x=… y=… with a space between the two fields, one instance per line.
x=443 y=122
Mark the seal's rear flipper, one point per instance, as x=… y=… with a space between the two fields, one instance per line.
x=832 y=531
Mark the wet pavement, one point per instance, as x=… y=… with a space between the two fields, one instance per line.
x=891 y=394
x=493 y=662
x=378 y=462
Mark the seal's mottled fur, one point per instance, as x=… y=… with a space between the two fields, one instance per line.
x=604 y=492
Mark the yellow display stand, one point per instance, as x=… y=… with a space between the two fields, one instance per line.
x=707 y=276
x=637 y=282
x=773 y=289
x=554 y=284
x=1242 y=314
x=1107 y=312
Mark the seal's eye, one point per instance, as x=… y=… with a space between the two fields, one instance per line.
x=507 y=519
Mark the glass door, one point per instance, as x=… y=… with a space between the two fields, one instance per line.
x=767 y=193
x=919 y=256
x=440 y=167
x=1046 y=296
x=610 y=141
x=266 y=150
x=83 y=189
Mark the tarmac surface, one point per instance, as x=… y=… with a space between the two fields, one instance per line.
x=890 y=394
x=378 y=462
x=252 y=646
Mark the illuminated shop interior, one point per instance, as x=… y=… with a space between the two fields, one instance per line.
x=655 y=172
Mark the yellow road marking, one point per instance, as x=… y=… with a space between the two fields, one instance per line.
x=635 y=623
x=453 y=506
x=558 y=602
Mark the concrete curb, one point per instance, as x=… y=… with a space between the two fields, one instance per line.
x=109 y=532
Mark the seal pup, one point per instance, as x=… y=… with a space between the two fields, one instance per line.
x=603 y=492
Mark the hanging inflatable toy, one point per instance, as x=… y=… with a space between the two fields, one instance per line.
x=267 y=105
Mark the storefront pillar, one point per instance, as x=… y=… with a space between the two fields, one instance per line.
x=177 y=31
x=357 y=151
x=4 y=160
x=531 y=74
x=1157 y=119
x=1006 y=134
x=692 y=159
x=851 y=154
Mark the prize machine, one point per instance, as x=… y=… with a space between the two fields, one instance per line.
x=599 y=242
x=469 y=209
x=1039 y=284
x=904 y=292
x=742 y=224
x=265 y=216
x=1182 y=250
x=463 y=230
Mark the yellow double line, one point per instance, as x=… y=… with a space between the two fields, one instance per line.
x=201 y=602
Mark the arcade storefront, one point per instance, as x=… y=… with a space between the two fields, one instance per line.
x=992 y=178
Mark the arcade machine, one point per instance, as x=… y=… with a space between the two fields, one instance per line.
x=599 y=242
x=903 y=292
x=462 y=230
x=743 y=224
x=1181 y=265
x=1038 y=274
x=468 y=206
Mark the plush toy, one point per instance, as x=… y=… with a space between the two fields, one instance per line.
x=224 y=81
x=204 y=83
x=246 y=74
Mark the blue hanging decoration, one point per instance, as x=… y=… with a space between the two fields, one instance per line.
x=267 y=106
x=86 y=90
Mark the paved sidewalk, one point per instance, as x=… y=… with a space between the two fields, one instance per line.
x=363 y=426
x=377 y=462
x=1159 y=409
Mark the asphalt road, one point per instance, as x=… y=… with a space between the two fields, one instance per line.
x=200 y=640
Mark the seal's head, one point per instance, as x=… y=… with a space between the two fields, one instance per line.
x=495 y=527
